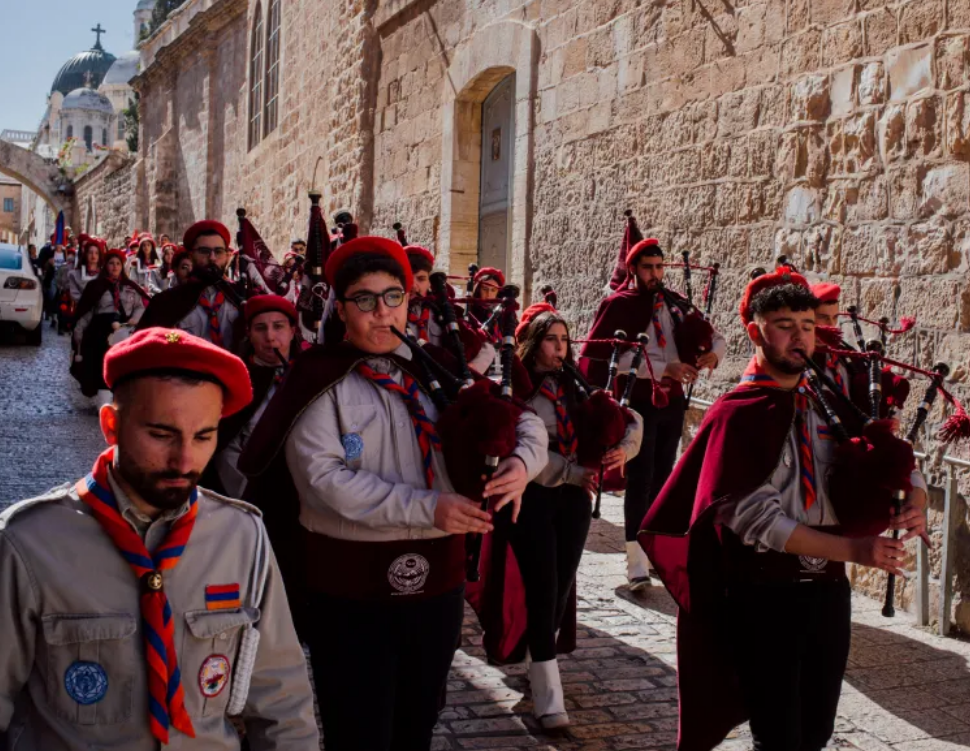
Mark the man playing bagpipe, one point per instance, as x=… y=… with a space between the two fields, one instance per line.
x=205 y=305
x=750 y=536
x=681 y=344
x=424 y=317
x=349 y=451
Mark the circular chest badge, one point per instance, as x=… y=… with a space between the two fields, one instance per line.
x=353 y=445
x=408 y=573
x=214 y=675
x=813 y=565
x=86 y=682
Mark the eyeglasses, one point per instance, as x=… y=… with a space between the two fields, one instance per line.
x=209 y=252
x=366 y=302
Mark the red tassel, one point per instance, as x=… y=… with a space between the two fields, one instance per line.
x=905 y=324
x=956 y=427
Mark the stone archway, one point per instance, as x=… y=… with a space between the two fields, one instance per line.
x=493 y=53
x=40 y=176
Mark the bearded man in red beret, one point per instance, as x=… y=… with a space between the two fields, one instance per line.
x=159 y=612
x=207 y=304
x=640 y=304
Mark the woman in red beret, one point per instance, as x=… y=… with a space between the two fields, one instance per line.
x=549 y=536
x=107 y=302
x=143 y=266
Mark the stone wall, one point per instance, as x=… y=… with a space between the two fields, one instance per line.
x=105 y=199
x=834 y=131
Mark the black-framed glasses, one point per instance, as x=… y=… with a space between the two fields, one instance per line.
x=210 y=252
x=366 y=302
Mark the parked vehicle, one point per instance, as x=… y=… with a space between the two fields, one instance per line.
x=21 y=298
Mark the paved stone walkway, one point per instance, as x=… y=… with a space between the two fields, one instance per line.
x=905 y=689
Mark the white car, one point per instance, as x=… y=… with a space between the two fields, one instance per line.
x=21 y=298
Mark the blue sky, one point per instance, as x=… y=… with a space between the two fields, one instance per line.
x=39 y=36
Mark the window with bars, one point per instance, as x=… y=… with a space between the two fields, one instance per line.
x=256 y=80
x=272 y=86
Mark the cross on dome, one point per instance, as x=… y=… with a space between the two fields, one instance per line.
x=99 y=31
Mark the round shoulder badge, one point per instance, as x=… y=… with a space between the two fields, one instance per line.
x=86 y=682
x=353 y=445
x=214 y=675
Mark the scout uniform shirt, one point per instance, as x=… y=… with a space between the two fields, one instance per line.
x=132 y=306
x=197 y=322
x=766 y=518
x=562 y=470
x=659 y=357
x=73 y=672
x=357 y=465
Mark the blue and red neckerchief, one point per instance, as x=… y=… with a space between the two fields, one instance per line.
x=424 y=429
x=658 y=306
x=832 y=363
x=420 y=323
x=212 y=312
x=565 y=432
x=754 y=375
x=166 y=697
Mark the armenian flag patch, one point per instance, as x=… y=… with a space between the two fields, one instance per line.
x=222 y=597
x=825 y=433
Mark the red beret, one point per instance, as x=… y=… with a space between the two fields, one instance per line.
x=826 y=292
x=171 y=349
x=180 y=254
x=370 y=244
x=116 y=253
x=207 y=225
x=641 y=247
x=146 y=237
x=488 y=272
x=422 y=252
x=530 y=313
x=267 y=304
x=781 y=275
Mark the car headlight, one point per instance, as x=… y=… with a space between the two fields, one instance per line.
x=19 y=282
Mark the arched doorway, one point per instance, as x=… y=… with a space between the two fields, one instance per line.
x=496 y=192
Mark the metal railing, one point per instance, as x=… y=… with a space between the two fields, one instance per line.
x=951 y=522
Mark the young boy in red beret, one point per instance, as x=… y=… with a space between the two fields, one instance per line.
x=350 y=456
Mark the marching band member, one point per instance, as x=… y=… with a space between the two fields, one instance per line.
x=205 y=305
x=641 y=303
x=143 y=266
x=88 y=266
x=348 y=447
x=159 y=612
x=549 y=536
x=107 y=302
x=749 y=513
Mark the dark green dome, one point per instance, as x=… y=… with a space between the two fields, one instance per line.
x=74 y=74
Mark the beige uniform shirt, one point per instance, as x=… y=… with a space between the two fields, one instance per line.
x=357 y=465
x=562 y=470
x=131 y=303
x=197 y=321
x=68 y=597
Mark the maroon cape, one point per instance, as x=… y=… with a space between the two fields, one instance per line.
x=737 y=446
x=629 y=310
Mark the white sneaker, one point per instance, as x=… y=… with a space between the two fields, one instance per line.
x=548 y=702
x=637 y=567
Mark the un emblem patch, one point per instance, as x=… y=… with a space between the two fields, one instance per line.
x=353 y=445
x=86 y=682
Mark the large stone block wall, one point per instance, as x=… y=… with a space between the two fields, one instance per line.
x=105 y=199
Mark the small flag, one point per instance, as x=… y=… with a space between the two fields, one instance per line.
x=59 y=238
x=222 y=597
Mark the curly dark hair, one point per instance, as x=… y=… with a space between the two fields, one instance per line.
x=795 y=297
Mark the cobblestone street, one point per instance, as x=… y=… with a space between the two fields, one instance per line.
x=905 y=688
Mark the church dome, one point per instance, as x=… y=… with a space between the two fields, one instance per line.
x=87 y=99
x=123 y=70
x=74 y=74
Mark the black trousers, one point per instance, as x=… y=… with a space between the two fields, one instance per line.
x=791 y=644
x=380 y=668
x=548 y=543
x=648 y=471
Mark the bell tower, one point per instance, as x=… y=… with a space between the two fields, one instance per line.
x=143 y=18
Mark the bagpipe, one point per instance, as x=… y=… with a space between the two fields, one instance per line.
x=871 y=473
x=477 y=419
